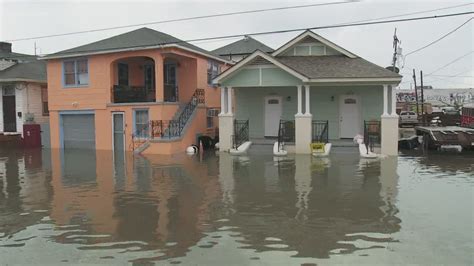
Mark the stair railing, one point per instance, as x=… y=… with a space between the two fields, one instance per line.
x=241 y=133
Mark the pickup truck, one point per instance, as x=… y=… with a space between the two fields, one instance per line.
x=408 y=118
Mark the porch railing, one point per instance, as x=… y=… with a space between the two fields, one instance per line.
x=320 y=131
x=372 y=134
x=286 y=132
x=241 y=133
x=174 y=128
x=129 y=94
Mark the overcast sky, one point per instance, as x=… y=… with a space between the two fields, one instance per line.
x=19 y=19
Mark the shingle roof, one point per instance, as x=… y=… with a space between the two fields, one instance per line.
x=15 y=56
x=32 y=70
x=316 y=67
x=142 y=37
x=247 y=45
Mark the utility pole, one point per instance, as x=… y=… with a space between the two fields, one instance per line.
x=35 y=48
x=396 y=41
x=422 y=96
x=416 y=92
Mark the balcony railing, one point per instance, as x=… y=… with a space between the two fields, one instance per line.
x=132 y=94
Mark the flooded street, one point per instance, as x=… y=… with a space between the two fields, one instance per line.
x=87 y=207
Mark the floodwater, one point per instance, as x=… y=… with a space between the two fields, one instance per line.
x=83 y=207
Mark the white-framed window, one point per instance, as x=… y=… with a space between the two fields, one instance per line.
x=212 y=113
x=75 y=72
x=141 y=123
x=213 y=70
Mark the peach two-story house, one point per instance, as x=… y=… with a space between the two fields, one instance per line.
x=142 y=91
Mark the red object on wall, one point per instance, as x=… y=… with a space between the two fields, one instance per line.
x=31 y=136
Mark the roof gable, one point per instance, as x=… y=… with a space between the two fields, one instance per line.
x=143 y=38
x=308 y=40
x=244 y=46
x=258 y=58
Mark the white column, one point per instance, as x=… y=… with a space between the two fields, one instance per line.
x=223 y=105
x=394 y=102
x=307 y=107
x=300 y=100
x=385 y=100
x=229 y=100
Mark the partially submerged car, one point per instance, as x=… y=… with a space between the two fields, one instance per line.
x=408 y=118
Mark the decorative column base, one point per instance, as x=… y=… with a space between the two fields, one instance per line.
x=303 y=133
x=226 y=130
x=389 y=134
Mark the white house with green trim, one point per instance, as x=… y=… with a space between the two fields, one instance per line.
x=308 y=79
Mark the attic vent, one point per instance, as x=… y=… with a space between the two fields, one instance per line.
x=259 y=61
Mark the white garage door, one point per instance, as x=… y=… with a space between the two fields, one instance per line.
x=78 y=131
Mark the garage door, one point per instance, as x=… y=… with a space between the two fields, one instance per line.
x=79 y=131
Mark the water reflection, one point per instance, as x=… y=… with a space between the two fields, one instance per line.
x=165 y=207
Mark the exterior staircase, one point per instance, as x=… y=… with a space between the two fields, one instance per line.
x=175 y=128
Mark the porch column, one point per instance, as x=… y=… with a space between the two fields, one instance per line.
x=226 y=120
x=229 y=100
x=223 y=105
x=385 y=100
x=389 y=123
x=303 y=124
x=159 y=79
x=300 y=100
x=394 y=101
x=307 y=107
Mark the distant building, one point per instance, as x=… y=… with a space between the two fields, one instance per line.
x=240 y=49
x=435 y=97
x=23 y=91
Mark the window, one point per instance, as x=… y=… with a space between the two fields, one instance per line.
x=122 y=74
x=76 y=73
x=350 y=101
x=141 y=124
x=212 y=113
x=213 y=70
x=273 y=101
x=44 y=100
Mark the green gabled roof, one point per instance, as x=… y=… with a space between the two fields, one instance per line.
x=247 y=45
x=140 y=38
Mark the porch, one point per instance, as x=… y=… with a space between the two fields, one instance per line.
x=142 y=79
x=309 y=113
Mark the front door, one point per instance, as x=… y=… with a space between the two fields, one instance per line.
x=150 y=82
x=9 y=114
x=118 y=131
x=170 y=80
x=350 y=118
x=273 y=109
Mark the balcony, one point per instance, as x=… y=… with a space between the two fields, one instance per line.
x=132 y=94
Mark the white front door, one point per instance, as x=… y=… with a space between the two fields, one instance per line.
x=273 y=109
x=350 y=117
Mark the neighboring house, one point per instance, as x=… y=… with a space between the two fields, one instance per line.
x=308 y=79
x=240 y=49
x=23 y=90
x=143 y=90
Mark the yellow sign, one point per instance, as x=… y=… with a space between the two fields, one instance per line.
x=317 y=147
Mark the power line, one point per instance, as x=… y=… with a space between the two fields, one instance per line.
x=439 y=39
x=187 y=19
x=450 y=63
x=293 y=30
x=237 y=13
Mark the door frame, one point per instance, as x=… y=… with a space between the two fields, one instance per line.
x=265 y=100
x=113 y=129
x=14 y=113
x=342 y=97
x=176 y=89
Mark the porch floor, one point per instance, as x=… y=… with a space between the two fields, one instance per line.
x=335 y=142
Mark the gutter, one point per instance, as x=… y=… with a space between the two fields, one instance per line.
x=23 y=80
